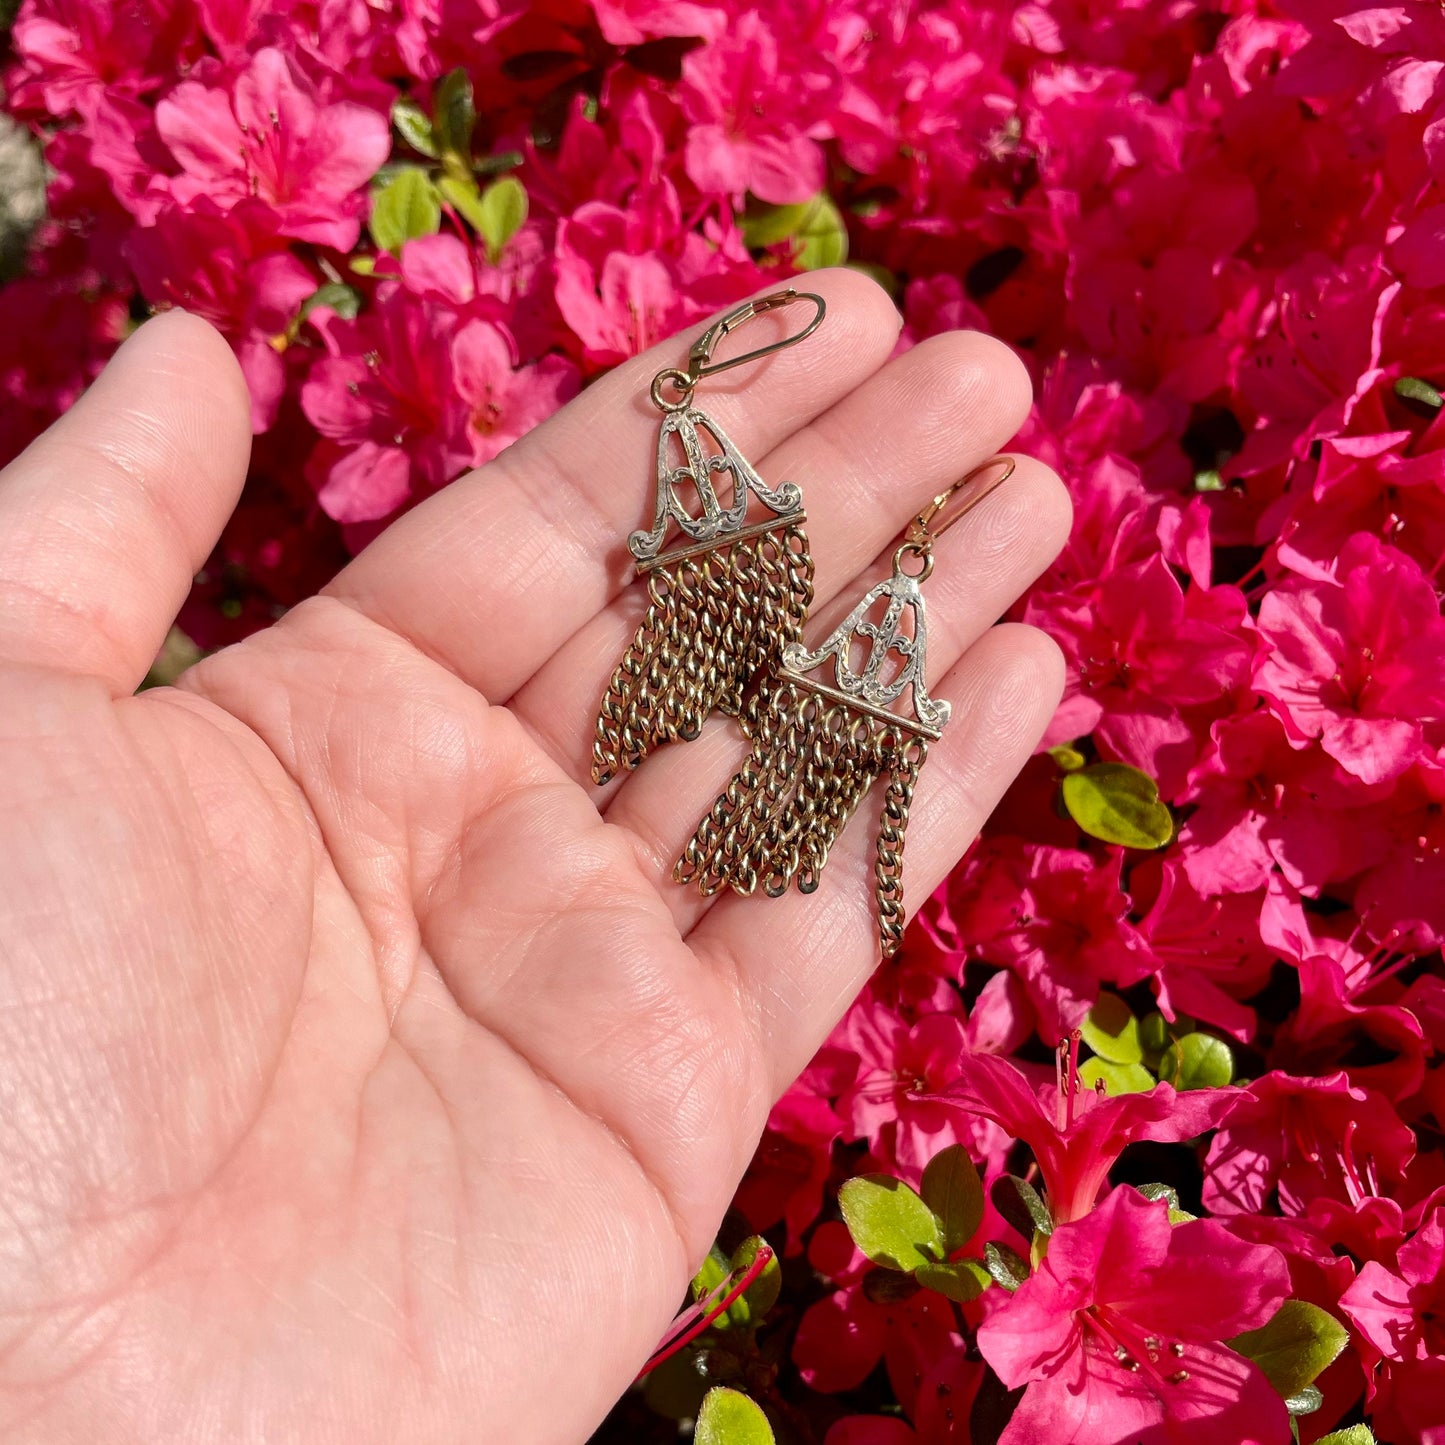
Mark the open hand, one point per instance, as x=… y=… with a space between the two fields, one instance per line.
x=365 y=1077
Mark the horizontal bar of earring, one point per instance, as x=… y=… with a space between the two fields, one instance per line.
x=793 y=519
x=881 y=713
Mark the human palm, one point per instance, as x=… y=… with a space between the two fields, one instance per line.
x=365 y=1077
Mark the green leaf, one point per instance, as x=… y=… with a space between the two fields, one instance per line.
x=335 y=296
x=1070 y=760
x=759 y=1297
x=762 y=1294
x=1299 y=1343
x=1414 y=388
x=501 y=213
x=1197 y=1061
x=1019 y=1203
x=1118 y=804
x=456 y=118
x=1208 y=480
x=495 y=165
x=952 y=1189
x=822 y=238
x=961 y=1280
x=1310 y=1399
x=464 y=196
x=1118 y=1078
x=730 y=1418
x=1007 y=1267
x=1151 y=1192
x=1154 y=1036
x=676 y=1387
x=404 y=208
x=413 y=126
x=1112 y=1031
x=890 y=1223
x=362 y=265
x=1354 y=1435
x=766 y=225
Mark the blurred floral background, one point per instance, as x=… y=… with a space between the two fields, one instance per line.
x=1139 y=1137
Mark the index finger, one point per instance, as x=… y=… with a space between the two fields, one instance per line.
x=491 y=576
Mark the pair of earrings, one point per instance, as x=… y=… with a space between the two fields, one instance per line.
x=724 y=631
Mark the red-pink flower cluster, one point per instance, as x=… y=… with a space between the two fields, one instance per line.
x=1216 y=232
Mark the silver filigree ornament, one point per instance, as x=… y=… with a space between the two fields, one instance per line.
x=727 y=599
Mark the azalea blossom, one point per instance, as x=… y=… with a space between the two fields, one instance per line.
x=1076 y=1133
x=1117 y=1334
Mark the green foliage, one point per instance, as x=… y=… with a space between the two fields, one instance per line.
x=1069 y=760
x=413 y=126
x=1310 y=1399
x=1166 y=1192
x=1197 y=1061
x=768 y=225
x=1295 y=1347
x=815 y=229
x=760 y=1296
x=405 y=207
x=1414 y=388
x=912 y=1233
x=1019 y=1203
x=1117 y=804
x=1007 y=1268
x=952 y=1189
x=961 y=1280
x=1118 y=1078
x=823 y=236
x=728 y=1417
x=336 y=296
x=1354 y=1435
x=456 y=119
x=1112 y=1031
x=502 y=212
x=890 y=1223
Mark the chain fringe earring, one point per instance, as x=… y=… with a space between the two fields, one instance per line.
x=818 y=746
x=726 y=600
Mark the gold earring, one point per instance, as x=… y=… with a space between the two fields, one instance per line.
x=725 y=601
x=818 y=745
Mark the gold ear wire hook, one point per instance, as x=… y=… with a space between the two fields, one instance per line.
x=925 y=529
x=699 y=359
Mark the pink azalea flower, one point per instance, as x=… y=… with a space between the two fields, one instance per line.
x=612 y=290
x=792 y=1165
x=1356 y=663
x=1117 y=1334
x=1401 y=1312
x=276 y=136
x=1141 y=651
x=1261 y=803
x=73 y=49
x=902 y=1070
x=1056 y=916
x=1349 y=994
x=632 y=22
x=1364 y=484
x=503 y=401
x=1208 y=951
x=940 y=1414
x=1306 y=1139
x=215 y=265
x=1076 y=1133
x=842 y=1337
x=742 y=105
x=385 y=392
